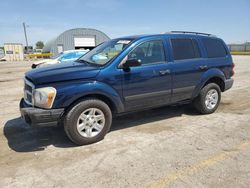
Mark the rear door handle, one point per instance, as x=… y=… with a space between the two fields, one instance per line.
x=164 y=72
x=203 y=67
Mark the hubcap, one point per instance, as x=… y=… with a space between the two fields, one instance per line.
x=91 y=122
x=211 y=99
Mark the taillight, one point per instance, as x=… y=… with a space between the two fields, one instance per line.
x=233 y=70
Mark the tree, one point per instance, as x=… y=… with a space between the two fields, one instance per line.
x=39 y=45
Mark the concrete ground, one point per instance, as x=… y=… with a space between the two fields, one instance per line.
x=164 y=147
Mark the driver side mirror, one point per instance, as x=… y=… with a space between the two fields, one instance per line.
x=131 y=63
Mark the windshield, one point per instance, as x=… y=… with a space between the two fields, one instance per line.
x=57 y=56
x=103 y=53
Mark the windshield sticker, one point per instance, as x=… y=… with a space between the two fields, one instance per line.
x=123 y=42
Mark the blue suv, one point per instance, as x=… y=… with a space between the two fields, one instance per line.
x=125 y=75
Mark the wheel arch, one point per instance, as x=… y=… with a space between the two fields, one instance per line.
x=114 y=109
x=71 y=94
x=217 y=80
x=211 y=76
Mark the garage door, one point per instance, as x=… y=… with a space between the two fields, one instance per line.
x=84 y=41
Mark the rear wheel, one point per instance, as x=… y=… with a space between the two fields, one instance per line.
x=209 y=98
x=88 y=121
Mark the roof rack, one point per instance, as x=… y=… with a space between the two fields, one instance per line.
x=189 y=32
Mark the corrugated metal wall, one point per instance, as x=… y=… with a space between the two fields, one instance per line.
x=13 y=52
x=66 y=39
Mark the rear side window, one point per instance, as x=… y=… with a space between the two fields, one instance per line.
x=215 y=48
x=185 y=49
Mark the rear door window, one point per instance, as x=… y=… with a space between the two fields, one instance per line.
x=185 y=49
x=215 y=48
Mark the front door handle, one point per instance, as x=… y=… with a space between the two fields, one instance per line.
x=203 y=67
x=164 y=72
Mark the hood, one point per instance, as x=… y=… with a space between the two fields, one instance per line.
x=62 y=72
x=42 y=61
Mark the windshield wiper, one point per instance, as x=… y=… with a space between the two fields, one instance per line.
x=87 y=62
x=82 y=61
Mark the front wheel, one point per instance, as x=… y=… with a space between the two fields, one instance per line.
x=208 y=100
x=88 y=121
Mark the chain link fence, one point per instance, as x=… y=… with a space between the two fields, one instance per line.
x=239 y=47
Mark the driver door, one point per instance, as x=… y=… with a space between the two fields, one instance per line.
x=150 y=84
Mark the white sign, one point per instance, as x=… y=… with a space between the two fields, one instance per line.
x=84 y=41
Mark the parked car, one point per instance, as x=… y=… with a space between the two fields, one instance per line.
x=3 y=58
x=125 y=75
x=64 y=57
x=2 y=55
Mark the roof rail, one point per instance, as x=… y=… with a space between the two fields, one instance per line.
x=189 y=32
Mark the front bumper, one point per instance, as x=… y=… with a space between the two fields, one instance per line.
x=40 y=117
x=228 y=84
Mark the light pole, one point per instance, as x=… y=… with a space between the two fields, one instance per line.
x=26 y=38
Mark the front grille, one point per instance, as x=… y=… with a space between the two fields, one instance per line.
x=28 y=87
x=28 y=90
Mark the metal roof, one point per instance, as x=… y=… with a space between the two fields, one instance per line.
x=67 y=39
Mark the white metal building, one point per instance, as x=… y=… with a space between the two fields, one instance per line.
x=79 y=38
x=13 y=52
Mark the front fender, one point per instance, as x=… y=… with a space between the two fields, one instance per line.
x=71 y=92
x=211 y=73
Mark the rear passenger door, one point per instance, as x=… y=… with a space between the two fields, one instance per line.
x=188 y=66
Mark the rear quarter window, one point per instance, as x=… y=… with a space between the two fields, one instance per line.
x=215 y=48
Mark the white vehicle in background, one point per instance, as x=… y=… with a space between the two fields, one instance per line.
x=64 y=57
x=2 y=55
x=2 y=58
x=38 y=51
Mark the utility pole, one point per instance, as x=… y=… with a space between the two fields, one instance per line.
x=26 y=39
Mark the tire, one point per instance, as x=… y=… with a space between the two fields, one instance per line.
x=88 y=109
x=201 y=103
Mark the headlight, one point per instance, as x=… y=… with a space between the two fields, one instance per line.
x=44 y=97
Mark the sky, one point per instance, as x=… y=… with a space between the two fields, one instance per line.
x=46 y=19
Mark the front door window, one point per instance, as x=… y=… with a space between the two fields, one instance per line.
x=151 y=52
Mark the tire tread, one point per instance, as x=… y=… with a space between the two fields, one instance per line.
x=199 y=101
x=69 y=117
